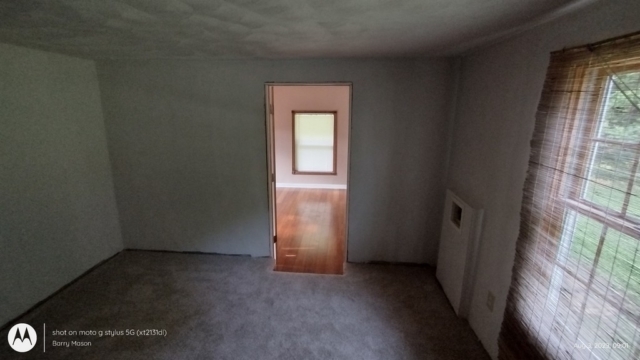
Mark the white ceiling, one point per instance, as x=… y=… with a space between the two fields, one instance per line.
x=263 y=28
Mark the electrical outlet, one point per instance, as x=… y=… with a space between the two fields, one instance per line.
x=490 y=300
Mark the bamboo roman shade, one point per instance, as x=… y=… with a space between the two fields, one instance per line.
x=575 y=290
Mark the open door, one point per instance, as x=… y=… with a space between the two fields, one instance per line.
x=271 y=160
x=308 y=130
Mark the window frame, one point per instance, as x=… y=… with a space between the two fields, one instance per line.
x=295 y=171
x=610 y=218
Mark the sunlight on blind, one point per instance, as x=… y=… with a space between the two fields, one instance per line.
x=314 y=142
x=575 y=290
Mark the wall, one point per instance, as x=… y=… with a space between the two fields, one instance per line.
x=58 y=215
x=187 y=145
x=318 y=98
x=499 y=93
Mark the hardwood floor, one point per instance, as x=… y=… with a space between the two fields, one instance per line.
x=311 y=230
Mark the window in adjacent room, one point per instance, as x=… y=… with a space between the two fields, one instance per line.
x=575 y=291
x=314 y=143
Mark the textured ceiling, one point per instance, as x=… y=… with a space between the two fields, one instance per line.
x=261 y=28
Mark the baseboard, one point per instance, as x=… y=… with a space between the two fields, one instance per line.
x=13 y=321
x=311 y=186
x=397 y=263
x=192 y=252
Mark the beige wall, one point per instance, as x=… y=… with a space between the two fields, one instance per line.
x=188 y=146
x=318 y=98
x=58 y=214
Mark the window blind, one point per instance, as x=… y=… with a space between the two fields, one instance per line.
x=575 y=290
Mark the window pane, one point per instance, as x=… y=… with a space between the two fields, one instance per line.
x=616 y=285
x=620 y=260
x=580 y=238
x=314 y=142
x=611 y=300
x=621 y=120
x=634 y=200
x=584 y=244
x=609 y=175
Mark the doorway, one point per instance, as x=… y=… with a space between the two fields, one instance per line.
x=308 y=135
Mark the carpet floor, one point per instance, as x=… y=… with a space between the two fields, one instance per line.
x=188 y=306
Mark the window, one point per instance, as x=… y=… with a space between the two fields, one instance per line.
x=314 y=142
x=575 y=291
x=602 y=223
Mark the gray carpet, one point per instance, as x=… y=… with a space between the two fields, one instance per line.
x=223 y=307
